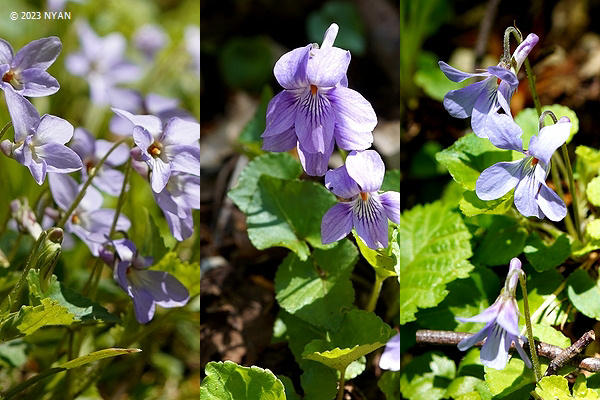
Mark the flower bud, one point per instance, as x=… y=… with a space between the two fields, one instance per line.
x=25 y=217
x=6 y=147
x=49 y=252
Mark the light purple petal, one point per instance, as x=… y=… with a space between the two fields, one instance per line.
x=64 y=189
x=315 y=164
x=505 y=75
x=488 y=315
x=83 y=143
x=391 y=204
x=92 y=200
x=166 y=290
x=505 y=93
x=366 y=168
x=283 y=141
x=459 y=103
x=508 y=317
x=6 y=52
x=118 y=155
x=456 y=75
x=472 y=340
x=39 y=53
x=551 y=204
x=350 y=140
x=336 y=223
x=290 y=69
x=522 y=353
x=485 y=106
x=60 y=158
x=525 y=196
x=390 y=358
x=38 y=170
x=339 y=182
x=38 y=83
x=160 y=174
x=352 y=110
x=184 y=158
x=370 y=222
x=504 y=133
x=515 y=264
x=123 y=72
x=109 y=180
x=314 y=123
x=53 y=129
x=151 y=123
x=281 y=113
x=120 y=274
x=494 y=353
x=327 y=66
x=550 y=138
x=143 y=139
x=24 y=116
x=101 y=220
x=156 y=104
x=179 y=131
x=143 y=304
x=77 y=64
x=497 y=180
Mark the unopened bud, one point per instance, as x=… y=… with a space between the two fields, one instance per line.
x=6 y=147
x=48 y=255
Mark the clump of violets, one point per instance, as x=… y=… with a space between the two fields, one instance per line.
x=174 y=147
x=39 y=142
x=483 y=99
x=533 y=197
x=25 y=72
x=501 y=325
x=147 y=288
x=357 y=183
x=316 y=109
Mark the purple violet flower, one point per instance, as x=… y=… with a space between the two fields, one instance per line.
x=501 y=325
x=101 y=62
x=482 y=99
x=147 y=288
x=109 y=180
x=39 y=142
x=150 y=39
x=25 y=72
x=89 y=221
x=175 y=147
x=176 y=200
x=357 y=182
x=316 y=107
x=533 y=198
x=390 y=358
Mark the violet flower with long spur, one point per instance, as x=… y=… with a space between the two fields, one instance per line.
x=357 y=182
x=101 y=62
x=25 y=72
x=39 y=142
x=501 y=325
x=482 y=99
x=174 y=147
x=147 y=288
x=317 y=109
x=89 y=222
x=533 y=197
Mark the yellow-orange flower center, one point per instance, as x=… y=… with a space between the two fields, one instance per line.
x=364 y=196
x=155 y=149
x=8 y=76
x=313 y=89
x=75 y=219
x=534 y=161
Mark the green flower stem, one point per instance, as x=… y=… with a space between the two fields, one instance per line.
x=30 y=382
x=375 y=293
x=5 y=128
x=8 y=301
x=340 y=394
x=575 y=201
x=88 y=182
x=532 y=349
x=558 y=186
